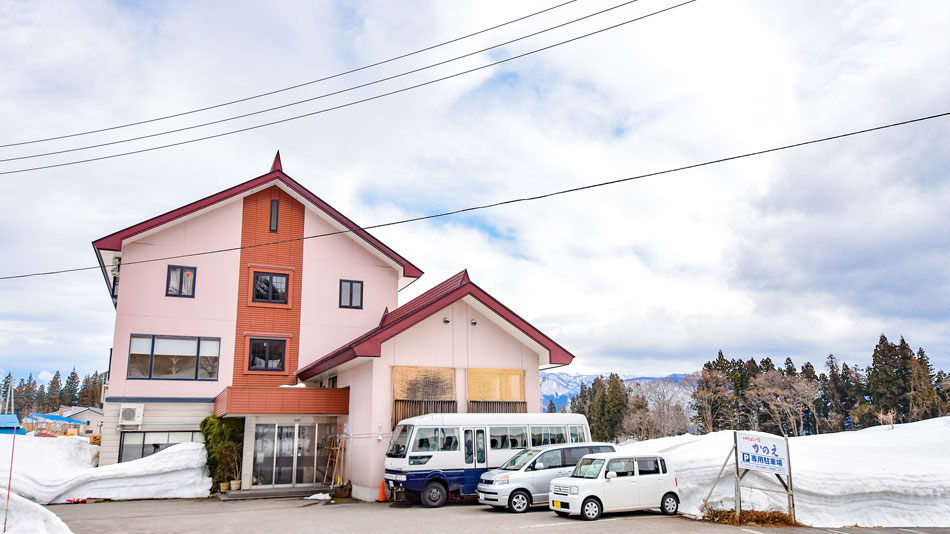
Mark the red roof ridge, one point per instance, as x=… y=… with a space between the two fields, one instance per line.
x=444 y=294
x=114 y=240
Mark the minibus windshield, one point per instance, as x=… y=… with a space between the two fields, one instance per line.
x=400 y=441
x=519 y=460
x=587 y=468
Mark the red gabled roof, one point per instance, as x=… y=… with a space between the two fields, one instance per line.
x=114 y=241
x=421 y=307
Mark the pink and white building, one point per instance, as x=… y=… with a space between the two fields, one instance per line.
x=265 y=303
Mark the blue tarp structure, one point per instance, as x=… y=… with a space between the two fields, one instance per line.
x=8 y=422
x=50 y=418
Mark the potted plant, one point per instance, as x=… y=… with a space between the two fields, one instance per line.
x=230 y=460
x=223 y=438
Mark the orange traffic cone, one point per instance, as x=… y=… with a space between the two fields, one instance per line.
x=382 y=492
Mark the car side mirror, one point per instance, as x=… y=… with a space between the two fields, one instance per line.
x=539 y=466
x=611 y=474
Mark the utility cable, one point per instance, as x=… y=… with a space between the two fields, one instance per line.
x=297 y=86
x=348 y=104
x=311 y=99
x=507 y=202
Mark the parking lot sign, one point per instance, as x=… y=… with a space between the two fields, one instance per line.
x=761 y=452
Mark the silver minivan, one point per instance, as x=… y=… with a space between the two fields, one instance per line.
x=526 y=478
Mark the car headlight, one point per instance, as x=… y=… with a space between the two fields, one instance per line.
x=573 y=490
x=501 y=480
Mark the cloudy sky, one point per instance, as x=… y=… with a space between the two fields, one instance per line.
x=803 y=253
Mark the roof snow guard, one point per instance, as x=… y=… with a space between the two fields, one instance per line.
x=111 y=245
x=456 y=288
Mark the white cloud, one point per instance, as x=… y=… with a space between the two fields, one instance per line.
x=799 y=254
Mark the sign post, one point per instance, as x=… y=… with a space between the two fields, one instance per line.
x=756 y=451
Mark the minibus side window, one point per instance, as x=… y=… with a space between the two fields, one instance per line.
x=450 y=439
x=498 y=437
x=469 y=452
x=480 y=445
x=517 y=437
x=426 y=439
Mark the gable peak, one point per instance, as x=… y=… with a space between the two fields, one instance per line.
x=276 y=166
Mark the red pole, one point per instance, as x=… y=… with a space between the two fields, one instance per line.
x=6 y=511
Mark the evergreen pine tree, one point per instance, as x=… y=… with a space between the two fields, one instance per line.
x=597 y=396
x=51 y=403
x=580 y=401
x=70 y=394
x=25 y=395
x=765 y=364
x=5 y=389
x=85 y=392
x=884 y=386
x=551 y=407
x=790 y=367
x=40 y=399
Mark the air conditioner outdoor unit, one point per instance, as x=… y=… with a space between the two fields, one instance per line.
x=131 y=414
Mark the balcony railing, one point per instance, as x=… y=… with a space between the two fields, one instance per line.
x=497 y=406
x=405 y=408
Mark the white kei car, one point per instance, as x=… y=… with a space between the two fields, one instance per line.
x=615 y=482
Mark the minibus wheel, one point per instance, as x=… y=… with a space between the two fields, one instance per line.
x=434 y=495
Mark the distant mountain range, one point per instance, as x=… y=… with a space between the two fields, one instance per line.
x=560 y=387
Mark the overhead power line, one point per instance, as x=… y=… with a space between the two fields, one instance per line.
x=289 y=88
x=507 y=202
x=313 y=98
x=349 y=104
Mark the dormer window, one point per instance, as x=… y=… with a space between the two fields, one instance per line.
x=274 y=205
x=180 y=281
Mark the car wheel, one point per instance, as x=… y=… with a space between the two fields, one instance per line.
x=519 y=501
x=590 y=509
x=434 y=495
x=669 y=505
x=561 y=514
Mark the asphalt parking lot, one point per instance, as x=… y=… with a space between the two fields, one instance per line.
x=296 y=515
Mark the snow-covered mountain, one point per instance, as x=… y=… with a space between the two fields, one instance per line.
x=560 y=387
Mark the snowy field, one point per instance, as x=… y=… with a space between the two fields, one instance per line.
x=879 y=477
x=54 y=470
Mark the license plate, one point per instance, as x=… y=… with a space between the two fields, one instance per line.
x=557 y=504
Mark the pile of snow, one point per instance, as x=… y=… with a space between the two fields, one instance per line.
x=54 y=470
x=878 y=477
x=30 y=518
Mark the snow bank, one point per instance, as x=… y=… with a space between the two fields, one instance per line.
x=52 y=470
x=877 y=477
x=30 y=518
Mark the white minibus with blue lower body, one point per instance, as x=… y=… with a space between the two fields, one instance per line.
x=435 y=456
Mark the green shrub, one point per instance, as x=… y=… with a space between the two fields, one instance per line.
x=224 y=439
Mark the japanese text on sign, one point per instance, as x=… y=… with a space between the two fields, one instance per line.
x=762 y=452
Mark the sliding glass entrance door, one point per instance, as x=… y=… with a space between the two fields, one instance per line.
x=285 y=455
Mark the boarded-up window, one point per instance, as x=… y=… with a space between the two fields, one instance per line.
x=424 y=383
x=495 y=384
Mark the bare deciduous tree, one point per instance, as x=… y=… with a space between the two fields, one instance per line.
x=656 y=409
x=785 y=398
x=711 y=392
